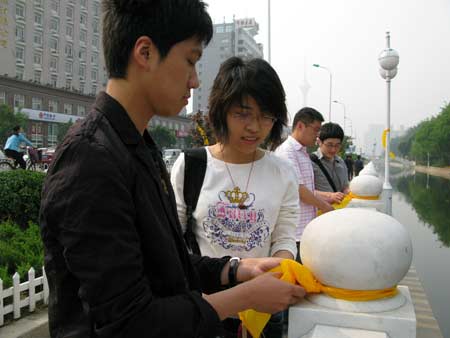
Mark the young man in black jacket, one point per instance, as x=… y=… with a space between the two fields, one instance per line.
x=114 y=253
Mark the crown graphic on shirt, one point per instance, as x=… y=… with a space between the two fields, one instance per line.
x=236 y=195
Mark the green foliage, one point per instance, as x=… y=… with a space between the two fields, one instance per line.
x=430 y=200
x=20 y=250
x=62 y=129
x=20 y=196
x=163 y=137
x=8 y=120
x=430 y=137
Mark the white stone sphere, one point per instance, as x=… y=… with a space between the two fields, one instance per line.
x=366 y=185
x=357 y=249
x=369 y=169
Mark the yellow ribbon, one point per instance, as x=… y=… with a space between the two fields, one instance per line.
x=383 y=142
x=371 y=198
x=203 y=135
x=295 y=273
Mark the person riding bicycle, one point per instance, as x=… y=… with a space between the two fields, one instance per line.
x=12 y=146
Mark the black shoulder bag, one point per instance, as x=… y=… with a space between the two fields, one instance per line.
x=316 y=160
x=194 y=174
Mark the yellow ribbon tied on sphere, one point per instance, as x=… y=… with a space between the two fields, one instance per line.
x=295 y=273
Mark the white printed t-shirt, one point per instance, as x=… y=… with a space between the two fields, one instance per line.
x=265 y=227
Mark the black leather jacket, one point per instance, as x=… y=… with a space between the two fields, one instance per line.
x=114 y=254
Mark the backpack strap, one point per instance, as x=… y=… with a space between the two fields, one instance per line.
x=194 y=174
x=319 y=163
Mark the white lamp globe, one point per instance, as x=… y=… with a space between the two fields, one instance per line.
x=389 y=59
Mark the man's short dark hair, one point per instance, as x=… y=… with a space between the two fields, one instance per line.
x=331 y=130
x=166 y=22
x=16 y=129
x=307 y=115
x=237 y=79
x=358 y=157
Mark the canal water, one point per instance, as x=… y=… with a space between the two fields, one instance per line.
x=422 y=204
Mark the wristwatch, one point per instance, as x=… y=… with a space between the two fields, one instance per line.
x=232 y=272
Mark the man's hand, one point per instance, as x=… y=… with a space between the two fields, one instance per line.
x=336 y=197
x=269 y=294
x=251 y=267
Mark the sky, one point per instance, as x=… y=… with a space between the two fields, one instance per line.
x=347 y=37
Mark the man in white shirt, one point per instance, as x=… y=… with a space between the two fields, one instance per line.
x=305 y=129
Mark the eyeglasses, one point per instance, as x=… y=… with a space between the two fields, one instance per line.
x=247 y=118
x=331 y=145
x=316 y=129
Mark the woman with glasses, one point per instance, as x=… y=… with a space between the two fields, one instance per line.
x=330 y=170
x=248 y=205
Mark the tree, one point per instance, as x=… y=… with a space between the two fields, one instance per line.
x=8 y=120
x=202 y=134
x=62 y=130
x=163 y=136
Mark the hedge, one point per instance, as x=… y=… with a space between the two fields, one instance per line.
x=20 y=196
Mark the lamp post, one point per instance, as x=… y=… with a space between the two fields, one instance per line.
x=331 y=83
x=388 y=60
x=343 y=105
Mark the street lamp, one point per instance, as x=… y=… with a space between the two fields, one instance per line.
x=388 y=60
x=343 y=105
x=331 y=81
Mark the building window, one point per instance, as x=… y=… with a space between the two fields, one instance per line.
x=20 y=10
x=95 y=26
x=68 y=67
x=82 y=87
x=82 y=71
x=54 y=63
x=38 y=18
x=54 y=80
x=37 y=58
x=94 y=58
x=20 y=33
x=82 y=54
x=93 y=89
x=2 y=98
x=95 y=41
x=69 y=50
x=69 y=30
x=52 y=134
x=36 y=103
x=229 y=28
x=67 y=108
x=55 y=5
x=38 y=3
x=53 y=106
x=93 y=75
x=83 y=3
x=219 y=29
x=69 y=12
x=53 y=44
x=68 y=83
x=36 y=134
x=20 y=54
x=83 y=35
x=38 y=38
x=81 y=111
x=96 y=8
x=54 y=25
x=83 y=18
x=19 y=101
x=37 y=75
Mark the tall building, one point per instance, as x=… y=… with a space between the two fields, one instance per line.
x=236 y=38
x=53 y=42
x=372 y=140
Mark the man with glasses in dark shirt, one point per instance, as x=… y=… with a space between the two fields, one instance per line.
x=115 y=258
